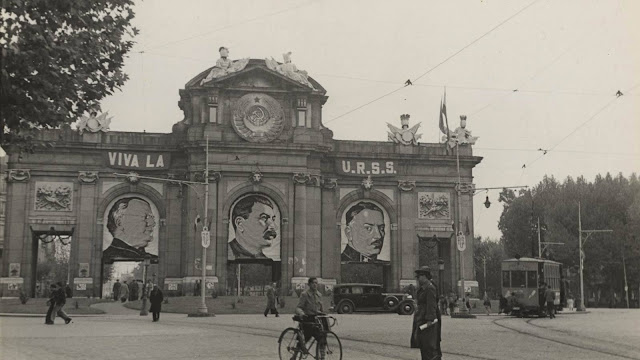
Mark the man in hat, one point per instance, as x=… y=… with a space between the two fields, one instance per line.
x=427 y=312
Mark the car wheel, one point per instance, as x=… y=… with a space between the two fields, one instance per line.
x=345 y=307
x=407 y=308
x=390 y=303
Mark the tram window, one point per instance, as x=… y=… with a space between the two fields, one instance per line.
x=505 y=279
x=532 y=279
x=518 y=279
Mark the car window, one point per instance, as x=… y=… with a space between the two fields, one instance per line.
x=372 y=290
x=356 y=290
x=345 y=290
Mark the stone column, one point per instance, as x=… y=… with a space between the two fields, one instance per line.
x=84 y=241
x=169 y=252
x=406 y=239
x=330 y=232
x=300 y=227
x=314 y=229
x=16 y=231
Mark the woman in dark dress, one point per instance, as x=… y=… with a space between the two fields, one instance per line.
x=156 y=302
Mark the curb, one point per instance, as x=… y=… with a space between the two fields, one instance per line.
x=42 y=315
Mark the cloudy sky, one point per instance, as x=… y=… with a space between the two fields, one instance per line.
x=528 y=74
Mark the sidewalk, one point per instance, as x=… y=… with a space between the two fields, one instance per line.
x=109 y=308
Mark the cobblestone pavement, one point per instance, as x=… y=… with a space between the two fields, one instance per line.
x=600 y=334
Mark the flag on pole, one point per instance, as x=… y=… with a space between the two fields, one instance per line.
x=444 y=121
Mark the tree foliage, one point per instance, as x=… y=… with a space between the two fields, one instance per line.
x=606 y=203
x=488 y=255
x=58 y=59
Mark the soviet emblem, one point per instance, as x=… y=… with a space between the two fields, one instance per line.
x=258 y=118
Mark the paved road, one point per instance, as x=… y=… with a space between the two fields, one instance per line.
x=605 y=334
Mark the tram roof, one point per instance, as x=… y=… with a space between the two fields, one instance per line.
x=528 y=259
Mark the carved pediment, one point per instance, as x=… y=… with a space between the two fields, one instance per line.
x=256 y=75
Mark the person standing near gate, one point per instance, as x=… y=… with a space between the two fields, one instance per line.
x=424 y=334
x=156 y=302
x=549 y=297
x=272 y=301
x=116 y=290
x=124 y=292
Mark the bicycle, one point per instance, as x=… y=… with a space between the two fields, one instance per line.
x=292 y=346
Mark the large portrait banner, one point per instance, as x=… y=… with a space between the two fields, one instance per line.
x=254 y=229
x=130 y=230
x=365 y=238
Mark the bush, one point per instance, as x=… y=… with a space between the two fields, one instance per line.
x=214 y=293
x=281 y=302
x=233 y=304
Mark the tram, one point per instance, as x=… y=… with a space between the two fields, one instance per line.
x=521 y=285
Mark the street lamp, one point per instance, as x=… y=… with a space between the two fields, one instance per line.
x=147 y=261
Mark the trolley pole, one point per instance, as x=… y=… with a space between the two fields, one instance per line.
x=580 y=246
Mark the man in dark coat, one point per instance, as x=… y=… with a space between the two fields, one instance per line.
x=424 y=334
x=549 y=297
x=155 y=298
x=60 y=300
x=133 y=291
x=116 y=290
x=52 y=304
x=272 y=301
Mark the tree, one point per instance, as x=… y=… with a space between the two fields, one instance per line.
x=606 y=203
x=492 y=252
x=58 y=59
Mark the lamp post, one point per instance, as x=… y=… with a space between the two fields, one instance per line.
x=147 y=261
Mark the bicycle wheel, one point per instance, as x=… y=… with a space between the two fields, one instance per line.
x=288 y=345
x=332 y=349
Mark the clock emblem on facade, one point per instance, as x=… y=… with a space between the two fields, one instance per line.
x=258 y=118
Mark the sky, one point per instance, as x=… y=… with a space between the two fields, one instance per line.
x=529 y=75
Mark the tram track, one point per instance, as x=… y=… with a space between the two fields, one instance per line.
x=274 y=334
x=564 y=340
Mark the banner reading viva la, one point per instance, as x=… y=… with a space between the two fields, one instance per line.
x=138 y=160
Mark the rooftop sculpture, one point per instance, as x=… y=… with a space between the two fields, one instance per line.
x=461 y=135
x=289 y=70
x=406 y=135
x=94 y=123
x=224 y=66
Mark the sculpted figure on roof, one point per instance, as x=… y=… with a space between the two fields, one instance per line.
x=289 y=70
x=224 y=66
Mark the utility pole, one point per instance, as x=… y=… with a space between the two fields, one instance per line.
x=205 y=230
x=539 y=241
x=626 y=287
x=580 y=246
x=484 y=268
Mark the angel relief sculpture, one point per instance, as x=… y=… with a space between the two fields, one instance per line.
x=224 y=66
x=289 y=70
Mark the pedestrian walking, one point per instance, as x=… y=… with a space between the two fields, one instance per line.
x=444 y=307
x=424 y=334
x=155 y=298
x=503 y=305
x=52 y=304
x=124 y=292
x=60 y=300
x=550 y=296
x=272 y=300
x=452 y=304
x=487 y=304
x=116 y=290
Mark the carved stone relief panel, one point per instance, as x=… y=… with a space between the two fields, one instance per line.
x=434 y=205
x=54 y=196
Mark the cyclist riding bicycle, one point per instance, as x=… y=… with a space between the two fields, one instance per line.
x=309 y=306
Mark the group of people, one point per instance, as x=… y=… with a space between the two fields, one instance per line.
x=124 y=292
x=57 y=299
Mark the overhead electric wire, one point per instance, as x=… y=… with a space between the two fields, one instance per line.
x=437 y=65
x=593 y=116
x=226 y=27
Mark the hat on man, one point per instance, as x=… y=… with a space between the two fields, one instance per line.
x=423 y=270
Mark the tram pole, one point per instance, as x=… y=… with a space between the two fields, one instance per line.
x=203 y=287
x=581 y=252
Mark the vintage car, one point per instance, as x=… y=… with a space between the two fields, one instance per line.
x=348 y=298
